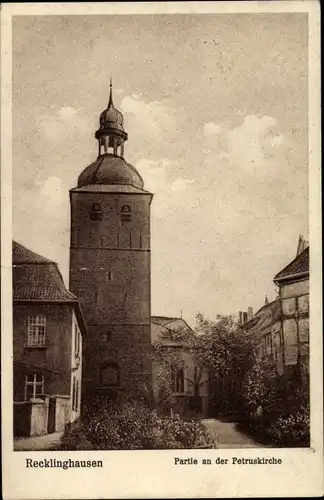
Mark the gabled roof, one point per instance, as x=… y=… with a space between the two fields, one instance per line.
x=22 y=255
x=36 y=277
x=297 y=267
x=264 y=317
x=163 y=320
x=166 y=327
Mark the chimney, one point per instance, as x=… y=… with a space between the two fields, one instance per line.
x=266 y=300
x=249 y=313
x=302 y=244
x=241 y=318
x=245 y=317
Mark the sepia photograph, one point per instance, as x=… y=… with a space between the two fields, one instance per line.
x=160 y=236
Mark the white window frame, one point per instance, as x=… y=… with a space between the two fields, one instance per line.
x=36 y=331
x=34 y=383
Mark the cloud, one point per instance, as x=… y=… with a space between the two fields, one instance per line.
x=211 y=128
x=248 y=143
x=66 y=113
x=61 y=124
x=152 y=118
x=169 y=190
x=52 y=196
x=41 y=219
x=180 y=185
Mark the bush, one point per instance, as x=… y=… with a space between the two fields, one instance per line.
x=284 y=420
x=135 y=426
x=74 y=437
x=291 y=431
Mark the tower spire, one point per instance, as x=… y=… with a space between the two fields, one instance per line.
x=111 y=133
x=110 y=102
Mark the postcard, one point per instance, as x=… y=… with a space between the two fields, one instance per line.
x=161 y=250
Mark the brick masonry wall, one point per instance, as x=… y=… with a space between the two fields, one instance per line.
x=110 y=272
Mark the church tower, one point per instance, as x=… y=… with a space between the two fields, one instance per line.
x=110 y=270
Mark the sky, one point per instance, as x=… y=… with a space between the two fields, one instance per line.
x=215 y=107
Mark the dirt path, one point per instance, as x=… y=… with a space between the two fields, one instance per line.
x=37 y=443
x=228 y=436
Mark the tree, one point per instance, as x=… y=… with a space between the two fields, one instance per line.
x=224 y=349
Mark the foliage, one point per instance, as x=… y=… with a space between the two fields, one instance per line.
x=284 y=419
x=134 y=426
x=293 y=430
x=276 y=408
x=228 y=353
x=167 y=355
x=220 y=348
x=74 y=437
x=222 y=345
x=259 y=385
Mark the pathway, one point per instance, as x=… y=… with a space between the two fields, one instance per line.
x=38 y=443
x=228 y=436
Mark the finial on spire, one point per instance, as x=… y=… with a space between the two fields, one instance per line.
x=110 y=102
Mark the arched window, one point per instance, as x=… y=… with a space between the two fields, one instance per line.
x=109 y=375
x=178 y=379
x=95 y=212
x=126 y=213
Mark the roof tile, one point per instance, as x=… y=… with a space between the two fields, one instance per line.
x=37 y=278
x=299 y=265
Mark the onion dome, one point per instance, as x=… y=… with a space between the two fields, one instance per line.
x=110 y=169
x=111 y=133
x=111 y=117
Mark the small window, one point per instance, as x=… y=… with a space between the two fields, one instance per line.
x=36 y=331
x=126 y=213
x=109 y=374
x=34 y=385
x=77 y=340
x=96 y=212
x=268 y=343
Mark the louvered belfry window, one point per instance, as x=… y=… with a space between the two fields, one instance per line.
x=96 y=212
x=126 y=213
x=36 y=331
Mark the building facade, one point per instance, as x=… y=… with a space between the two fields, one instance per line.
x=48 y=328
x=293 y=284
x=282 y=326
x=265 y=326
x=110 y=266
x=189 y=383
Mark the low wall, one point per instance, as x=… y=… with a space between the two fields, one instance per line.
x=39 y=417
x=31 y=417
x=22 y=418
x=62 y=414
